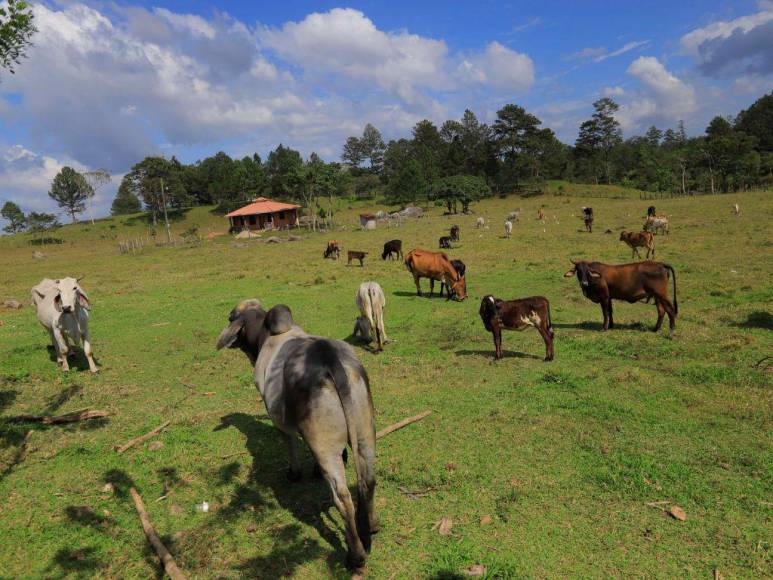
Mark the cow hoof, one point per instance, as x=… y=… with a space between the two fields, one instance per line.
x=356 y=563
x=375 y=526
x=293 y=475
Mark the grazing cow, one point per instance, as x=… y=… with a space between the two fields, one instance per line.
x=508 y=228
x=541 y=214
x=636 y=240
x=435 y=266
x=601 y=283
x=514 y=216
x=587 y=214
x=445 y=242
x=63 y=308
x=460 y=268
x=517 y=315
x=315 y=387
x=392 y=247
x=354 y=255
x=651 y=211
x=455 y=233
x=371 y=301
x=480 y=222
x=736 y=210
x=656 y=223
x=332 y=250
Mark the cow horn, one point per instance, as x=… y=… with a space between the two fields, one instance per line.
x=82 y=276
x=573 y=262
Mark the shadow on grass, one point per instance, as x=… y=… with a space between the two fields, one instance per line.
x=175 y=215
x=358 y=342
x=587 y=325
x=77 y=358
x=758 y=319
x=491 y=354
x=423 y=295
x=308 y=501
x=6 y=399
x=75 y=563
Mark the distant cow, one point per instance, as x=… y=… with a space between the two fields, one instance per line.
x=435 y=266
x=517 y=315
x=736 y=210
x=354 y=255
x=508 y=228
x=514 y=216
x=636 y=240
x=540 y=214
x=332 y=250
x=316 y=388
x=392 y=247
x=587 y=216
x=480 y=222
x=602 y=283
x=655 y=224
x=371 y=302
x=455 y=233
x=461 y=270
x=445 y=242
x=651 y=211
x=63 y=308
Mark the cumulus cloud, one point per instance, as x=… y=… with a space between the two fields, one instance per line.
x=499 y=67
x=662 y=97
x=729 y=46
x=613 y=91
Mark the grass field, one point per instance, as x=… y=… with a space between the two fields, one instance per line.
x=563 y=457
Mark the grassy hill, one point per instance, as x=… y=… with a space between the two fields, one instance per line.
x=567 y=462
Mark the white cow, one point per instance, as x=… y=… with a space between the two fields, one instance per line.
x=371 y=301
x=480 y=222
x=508 y=228
x=736 y=209
x=63 y=309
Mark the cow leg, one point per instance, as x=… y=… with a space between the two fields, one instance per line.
x=661 y=314
x=418 y=285
x=294 y=472
x=497 y=332
x=671 y=314
x=431 y=286
x=636 y=252
x=62 y=350
x=87 y=351
x=542 y=328
x=609 y=310
x=605 y=325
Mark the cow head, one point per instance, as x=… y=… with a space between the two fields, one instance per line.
x=458 y=288
x=585 y=274
x=623 y=236
x=70 y=295
x=249 y=327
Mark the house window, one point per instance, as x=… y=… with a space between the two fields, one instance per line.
x=281 y=215
x=252 y=220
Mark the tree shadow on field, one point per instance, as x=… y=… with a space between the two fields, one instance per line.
x=758 y=319
x=492 y=355
x=175 y=215
x=75 y=563
x=308 y=501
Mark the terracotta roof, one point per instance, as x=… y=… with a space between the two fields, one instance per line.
x=262 y=205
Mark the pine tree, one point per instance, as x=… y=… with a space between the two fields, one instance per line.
x=125 y=201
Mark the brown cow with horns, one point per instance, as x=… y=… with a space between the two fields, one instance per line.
x=601 y=283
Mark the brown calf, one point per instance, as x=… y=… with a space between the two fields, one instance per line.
x=636 y=240
x=332 y=250
x=435 y=266
x=353 y=255
x=517 y=315
x=455 y=233
x=601 y=283
x=445 y=242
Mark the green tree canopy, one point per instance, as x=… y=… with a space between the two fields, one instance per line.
x=16 y=29
x=464 y=189
x=125 y=201
x=17 y=221
x=70 y=191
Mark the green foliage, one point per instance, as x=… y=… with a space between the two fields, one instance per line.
x=17 y=221
x=408 y=185
x=70 y=190
x=16 y=29
x=125 y=201
x=464 y=189
x=757 y=121
x=41 y=222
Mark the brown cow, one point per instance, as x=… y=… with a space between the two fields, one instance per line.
x=455 y=233
x=332 y=250
x=355 y=255
x=435 y=266
x=601 y=283
x=517 y=315
x=636 y=240
x=445 y=242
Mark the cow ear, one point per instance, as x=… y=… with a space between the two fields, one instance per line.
x=39 y=293
x=230 y=332
x=594 y=274
x=58 y=302
x=83 y=300
x=279 y=319
x=570 y=273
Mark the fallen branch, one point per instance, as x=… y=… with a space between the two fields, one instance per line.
x=401 y=424
x=72 y=417
x=233 y=454
x=141 y=438
x=166 y=558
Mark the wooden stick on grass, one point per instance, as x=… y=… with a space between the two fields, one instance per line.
x=141 y=438
x=166 y=558
x=72 y=417
x=401 y=424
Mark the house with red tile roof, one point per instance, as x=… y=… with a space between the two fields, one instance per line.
x=264 y=214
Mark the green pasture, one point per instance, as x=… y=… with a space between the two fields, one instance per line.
x=572 y=464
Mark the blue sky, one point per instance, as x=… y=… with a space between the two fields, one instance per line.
x=110 y=82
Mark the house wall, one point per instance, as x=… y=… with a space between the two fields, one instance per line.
x=277 y=220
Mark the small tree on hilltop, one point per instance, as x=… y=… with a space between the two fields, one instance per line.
x=70 y=191
x=464 y=189
x=125 y=201
x=41 y=223
x=17 y=221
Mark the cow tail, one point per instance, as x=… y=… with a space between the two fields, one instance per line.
x=344 y=390
x=673 y=273
x=550 y=322
x=376 y=319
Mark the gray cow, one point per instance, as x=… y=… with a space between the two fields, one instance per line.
x=315 y=387
x=63 y=309
x=371 y=302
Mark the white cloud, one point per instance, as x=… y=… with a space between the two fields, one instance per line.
x=622 y=50
x=196 y=25
x=723 y=29
x=615 y=91
x=499 y=67
x=663 y=97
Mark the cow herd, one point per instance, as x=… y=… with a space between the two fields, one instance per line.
x=317 y=388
